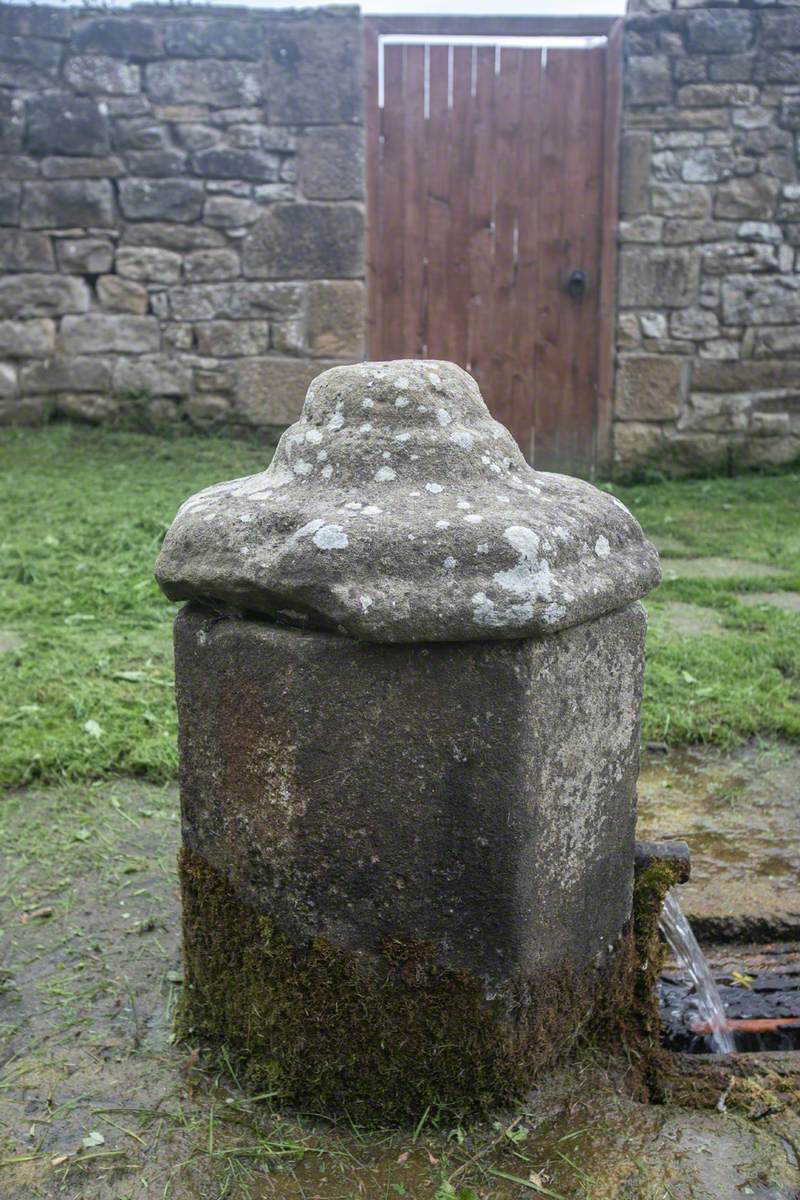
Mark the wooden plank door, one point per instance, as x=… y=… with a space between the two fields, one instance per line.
x=487 y=189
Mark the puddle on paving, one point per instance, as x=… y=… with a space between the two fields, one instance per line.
x=740 y=814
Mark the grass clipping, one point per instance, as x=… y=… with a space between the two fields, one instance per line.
x=381 y=1036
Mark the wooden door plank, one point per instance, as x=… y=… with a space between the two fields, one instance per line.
x=462 y=166
x=606 y=322
x=481 y=208
x=392 y=229
x=437 y=209
x=374 y=206
x=414 y=200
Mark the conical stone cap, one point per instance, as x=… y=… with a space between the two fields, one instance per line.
x=398 y=510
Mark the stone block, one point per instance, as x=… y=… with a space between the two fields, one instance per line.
x=734 y=68
x=121 y=295
x=56 y=167
x=641 y=229
x=313 y=67
x=237 y=301
x=332 y=163
x=650 y=388
x=760 y=231
x=716 y=413
x=42 y=295
x=637 y=442
x=156 y=376
x=781 y=341
x=215 y=37
x=26 y=410
x=229 y=212
x=97 y=74
x=731 y=258
x=227 y=163
x=67 y=125
x=305 y=241
x=128 y=38
x=232 y=339
x=81 y=406
x=8 y=380
x=196 y=136
x=707 y=164
x=771 y=451
x=779 y=66
x=771 y=300
x=663 y=278
x=27 y=339
x=156 y=164
x=108 y=333
x=780 y=31
x=717 y=95
x=85 y=256
x=23 y=251
x=10 y=193
x=183 y=238
x=66 y=203
x=754 y=197
x=65 y=373
x=220 y=83
x=634 y=180
x=744 y=376
x=33 y=20
x=271 y=390
x=719 y=31
x=207 y=266
x=204 y=409
x=149 y=264
x=789 y=116
x=693 y=324
x=336 y=319
x=28 y=55
x=681 y=200
x=161 y=199
x=139 y=133
x=648 y=81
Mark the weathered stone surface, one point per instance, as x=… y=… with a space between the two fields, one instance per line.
x=85 y=256
x=336 y=319
x=308 y=241
x=97 y=74
x=66 y=374
x=157 y=376
x=227 y=163
x=42 y=295
x=332 y=163
x=205 y=410
x=25 y=59
x=651 y=387
x=23 y=251
x=450 y=831
x=228 y=212
x=10 y=193
x=313 y=68
x=161 y=199
x=206 y=266
x=726 y=258
x=751 y=197
x=67 y=203
x=681 y=200
x=223 y=84
x=695 y=323
x=57 y=124
x=768 y=301
x=778 y=342
x=551 y=554
x=121 y=295
x=25 y=410
x=779 y=66
x=56 y=167
x=648 y=81
x=81 y=406
x=238 y=300
x=8 y=380
x=156 y=164
x=232 y=339
x=634 y=181
x=658 y=277
x=270 y=391
x=182 y=238
x=719 y=32
x=129 y=38
x=36 y=21
x=149 y=264
x=27 y=339
x=139 y=133
x=644 y=228
x=105 y=333
x=201 y=38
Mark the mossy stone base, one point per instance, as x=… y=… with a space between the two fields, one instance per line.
x=382 y=1036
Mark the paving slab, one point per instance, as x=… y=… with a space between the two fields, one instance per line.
x=787 y=601
x=689 y=620
x=715 y=567
x=740 y=814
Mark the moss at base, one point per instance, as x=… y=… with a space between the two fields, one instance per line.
x=382 y=1036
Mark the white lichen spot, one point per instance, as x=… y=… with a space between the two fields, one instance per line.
x=244 y=550
x=530 y=578
x=365 y=428
x=443 y=416
x=402 y=382
x=305 y=530
x=386 y=454
x=302 y=467
x=460 y=437
x=435 y=379
x=322 y=456
x=384 y=475
x=368 y=403
x=601 y=547
x=336 y=422
x=356 y=504
x=553 y=613
x=402 y=437
x=330 y=537
x=415 y=494
x=435 y=488
x=473 y=518
x=423 y=408
x=503 y=499
x=314 y=436
x=326 y=472
x=449 y=563
x=482 y=548
x=401 y=402
x=371 y=510
x=245 y=518
x=442 y=524
x=366 y=603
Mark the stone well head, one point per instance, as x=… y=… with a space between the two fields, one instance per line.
x=408 y=685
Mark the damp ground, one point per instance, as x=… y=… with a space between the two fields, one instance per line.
x=98 y=1102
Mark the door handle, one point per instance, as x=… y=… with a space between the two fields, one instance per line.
x=576 y=284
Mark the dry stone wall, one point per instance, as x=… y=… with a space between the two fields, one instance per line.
x=708 y=333
x=181 y=212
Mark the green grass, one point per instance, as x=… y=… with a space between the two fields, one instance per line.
x=82 y=513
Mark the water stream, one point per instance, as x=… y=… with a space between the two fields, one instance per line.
x=683 y=944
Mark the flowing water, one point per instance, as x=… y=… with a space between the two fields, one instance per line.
x=683 y=944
